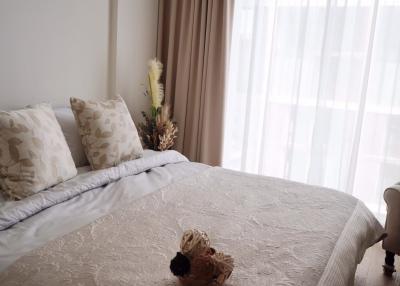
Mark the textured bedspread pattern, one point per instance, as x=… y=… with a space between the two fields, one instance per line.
x=279 y=232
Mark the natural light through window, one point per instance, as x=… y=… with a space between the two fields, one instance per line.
x=314 y=94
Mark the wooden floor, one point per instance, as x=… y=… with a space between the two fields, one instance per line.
x=369 y=272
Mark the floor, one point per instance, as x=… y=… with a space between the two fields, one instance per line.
x=369 y=272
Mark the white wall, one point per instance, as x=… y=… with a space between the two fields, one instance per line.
x=51 y=50
x=136 y=45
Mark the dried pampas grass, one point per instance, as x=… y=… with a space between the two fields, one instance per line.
x=156 y=90
x=158 y=132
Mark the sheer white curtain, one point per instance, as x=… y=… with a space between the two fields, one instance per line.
x=314 y=94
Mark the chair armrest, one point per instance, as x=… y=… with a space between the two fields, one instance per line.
x=392 y=226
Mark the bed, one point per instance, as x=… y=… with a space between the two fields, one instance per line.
x=122 y=226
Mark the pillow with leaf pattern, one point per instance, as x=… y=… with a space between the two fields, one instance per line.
x=108 y=134
x=33 y=152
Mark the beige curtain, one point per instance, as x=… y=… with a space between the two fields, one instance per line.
x=193 y=44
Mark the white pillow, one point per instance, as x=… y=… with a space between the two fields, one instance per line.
x=69 y=127
x=108 y=133
x=33 y=152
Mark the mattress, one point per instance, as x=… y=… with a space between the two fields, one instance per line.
x=121 y=226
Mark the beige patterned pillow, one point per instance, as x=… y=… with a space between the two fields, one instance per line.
x=33 y=152
x=108 y=133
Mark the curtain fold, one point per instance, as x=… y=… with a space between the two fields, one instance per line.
x=193 y=44
x=314 y=95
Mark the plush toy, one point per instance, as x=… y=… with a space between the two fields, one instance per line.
x=199 y=264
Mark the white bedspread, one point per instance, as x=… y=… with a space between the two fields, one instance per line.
x=84 y=208
x=279 y=232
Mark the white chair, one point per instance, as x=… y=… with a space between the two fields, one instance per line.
x=391 y=243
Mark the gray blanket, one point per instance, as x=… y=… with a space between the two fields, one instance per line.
x=15 y=211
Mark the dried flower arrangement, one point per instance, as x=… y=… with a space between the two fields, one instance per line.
x=158 y=132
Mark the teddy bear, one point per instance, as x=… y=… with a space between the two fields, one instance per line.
x=198 y=264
